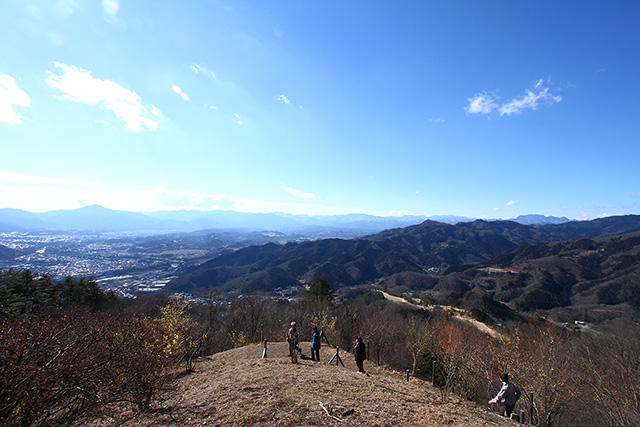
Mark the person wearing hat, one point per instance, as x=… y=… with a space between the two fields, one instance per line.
x=293 y=339
x=507 y=396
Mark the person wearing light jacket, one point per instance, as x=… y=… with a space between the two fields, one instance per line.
x=293 y=339
x=507 y=396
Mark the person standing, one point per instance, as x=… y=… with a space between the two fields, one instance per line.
x=507 y=396
x=315 y=345
x=293 y=338
x=360 y=353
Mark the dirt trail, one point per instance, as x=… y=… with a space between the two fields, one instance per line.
x=461 y=314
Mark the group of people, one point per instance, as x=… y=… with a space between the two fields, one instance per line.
x=507 y=396
x=293 y=338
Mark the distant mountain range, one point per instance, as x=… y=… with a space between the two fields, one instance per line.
x=422 y=250
x=97 y=218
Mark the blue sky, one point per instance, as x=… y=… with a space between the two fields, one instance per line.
x=483 y=109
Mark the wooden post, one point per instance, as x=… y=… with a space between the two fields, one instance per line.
x=264 y=352
x=531 y=408
x=521 y=416
x=407 y=375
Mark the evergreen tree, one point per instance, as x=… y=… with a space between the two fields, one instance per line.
x=320 y=289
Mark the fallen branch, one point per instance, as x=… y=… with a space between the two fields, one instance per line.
x=328 y=414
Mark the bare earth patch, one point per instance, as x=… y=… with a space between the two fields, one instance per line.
x=239 y=388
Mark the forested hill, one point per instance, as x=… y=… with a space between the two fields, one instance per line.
x=425 y=248
x=6 y=253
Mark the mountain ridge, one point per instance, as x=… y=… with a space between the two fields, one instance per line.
x=427 y=247
x=98 y=218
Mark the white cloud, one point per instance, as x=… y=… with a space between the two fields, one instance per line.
x=482 y=103
x=436 y=120
x=284 y=99
x=79 y=86
x=511 y=203
x=237 y=119
x=11 y=95
x=179 y=91
x=531 y=100
x=400 y=213
x=299 y=193
x=199 y=69
x=486 y=102
x=636 y=194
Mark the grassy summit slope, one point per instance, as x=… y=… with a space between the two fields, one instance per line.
x=239 y=388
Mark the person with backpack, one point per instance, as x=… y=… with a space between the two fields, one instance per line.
x=507 y=396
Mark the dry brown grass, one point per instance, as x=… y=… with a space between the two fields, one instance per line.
x=239 y=388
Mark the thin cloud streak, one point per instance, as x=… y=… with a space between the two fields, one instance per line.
x=487 y=102
x=286 y=100
x=299 y=193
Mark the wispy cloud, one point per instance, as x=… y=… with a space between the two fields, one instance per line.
x=533 y=98
x=237 y=119
x=299 y=193
x=482 y=103
x=79 y=86
x=201 y=69
x=10 y=96
x=636 y=194
x=400 y=213
x=286 y=100
x=436 y=120
x=487 y=102
x=179 y=91
x=511 y=203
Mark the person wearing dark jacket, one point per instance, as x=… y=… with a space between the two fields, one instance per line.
x=360 y=353
x=315 y=345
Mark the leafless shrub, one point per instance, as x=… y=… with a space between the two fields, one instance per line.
x=57 y=369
